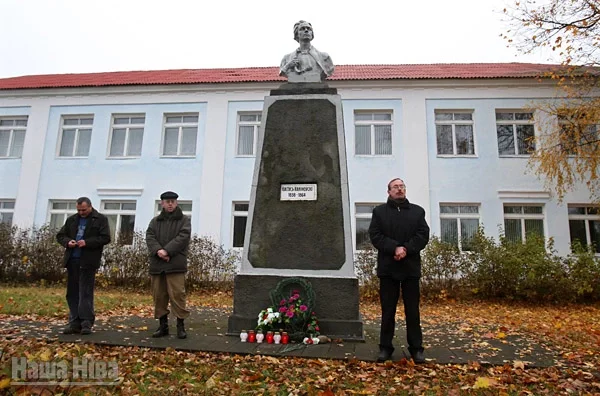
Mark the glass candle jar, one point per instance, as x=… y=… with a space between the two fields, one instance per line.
x=269 y=337
x=285 y=338
x=277 y=338
x=259 y=336
x=243 y=336
x=251 y=336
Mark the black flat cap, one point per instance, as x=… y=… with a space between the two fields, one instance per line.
x=168 y=195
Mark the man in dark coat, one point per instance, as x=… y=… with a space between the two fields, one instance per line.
x=168 y=237
x=399 y=232
x=83 y=235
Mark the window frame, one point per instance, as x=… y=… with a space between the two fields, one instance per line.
x=586 y=218
x=564 y=120
x=514 y=123
x=77 y=128
x=362 y=216
x=458 y=217
x=115 y=234
x=65 y=213
x=127 y=128
x=12 y=130
x=525 y=216
x=453 y=123
x=238 y=213
x=256 y=127
x=372 y=123
x=180 y=126
x=10 y=210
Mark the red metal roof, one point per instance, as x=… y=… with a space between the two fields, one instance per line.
x=270 y=74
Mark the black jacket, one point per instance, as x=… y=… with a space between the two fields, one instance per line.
x=96 y=235
x=399 y=224
x=172 y=232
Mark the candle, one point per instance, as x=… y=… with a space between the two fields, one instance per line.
x=243 y=336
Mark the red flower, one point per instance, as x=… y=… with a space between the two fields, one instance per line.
x=303 y=308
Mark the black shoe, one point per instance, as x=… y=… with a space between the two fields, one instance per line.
x=418 y=357
x=384 y=355
x=181 y=334
x=71 y=330
x=86 y=328
x=163 y=327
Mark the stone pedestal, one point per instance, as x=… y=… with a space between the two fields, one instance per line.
x=299 y=216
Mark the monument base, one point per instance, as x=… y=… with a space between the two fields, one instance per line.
x=336 y=304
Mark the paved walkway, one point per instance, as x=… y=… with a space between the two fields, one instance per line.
x=445 y=343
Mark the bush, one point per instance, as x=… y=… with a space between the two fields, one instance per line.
x=34 y=255
x=442 y=266
x=584 y=272
x=365 y=265
x=30 y=255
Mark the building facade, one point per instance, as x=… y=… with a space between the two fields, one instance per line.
x=459 y=136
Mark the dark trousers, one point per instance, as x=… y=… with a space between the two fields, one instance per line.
x=80 y=293
x=389 y=294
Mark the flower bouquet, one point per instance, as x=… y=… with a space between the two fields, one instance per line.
x=291 y=315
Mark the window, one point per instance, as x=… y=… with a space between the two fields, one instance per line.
x=247 y=133
x=454 y=133
x=127 y=136
x=7 y=208
x=363 y=220
x=579 y=135
x=373 y=133
x=584 y=225
x=12 y=136
x=185 y=206
x=520 y=220
x=515 y=133
x=59 y=211
x=121 y=219
x=75 y=137
x=459 y=223
x=240 y=216
x=180 y=135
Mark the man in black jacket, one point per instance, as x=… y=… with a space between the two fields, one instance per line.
x=399 y=232
x=168 y=236
x=83 y=235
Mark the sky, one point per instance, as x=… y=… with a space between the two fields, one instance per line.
x=82 y=36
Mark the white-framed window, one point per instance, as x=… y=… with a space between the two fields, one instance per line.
x=7 y=209
x=75 y=136
x=515 y=131
x=12 y=136
x=520 y=220
x=247 y=133
x=121 y=219
x=185 y=206
x=578 y=135
x=180 y=135
x=373 y=132
x=584 y=225
x=240 y=217
x=454 y=133
x=362 y=215
x=59 y=211
x=127 y=135
x=458 y=224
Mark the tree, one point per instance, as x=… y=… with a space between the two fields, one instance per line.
x=567 y=152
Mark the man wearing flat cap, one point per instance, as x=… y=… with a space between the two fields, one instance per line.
x=168 y=237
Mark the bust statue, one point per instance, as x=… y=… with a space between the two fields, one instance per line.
x=306 y=64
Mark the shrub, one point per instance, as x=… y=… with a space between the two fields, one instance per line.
x=584 y=272
x=442 y=266
x=34 y=255
x=30 y=255
x=365 y=265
